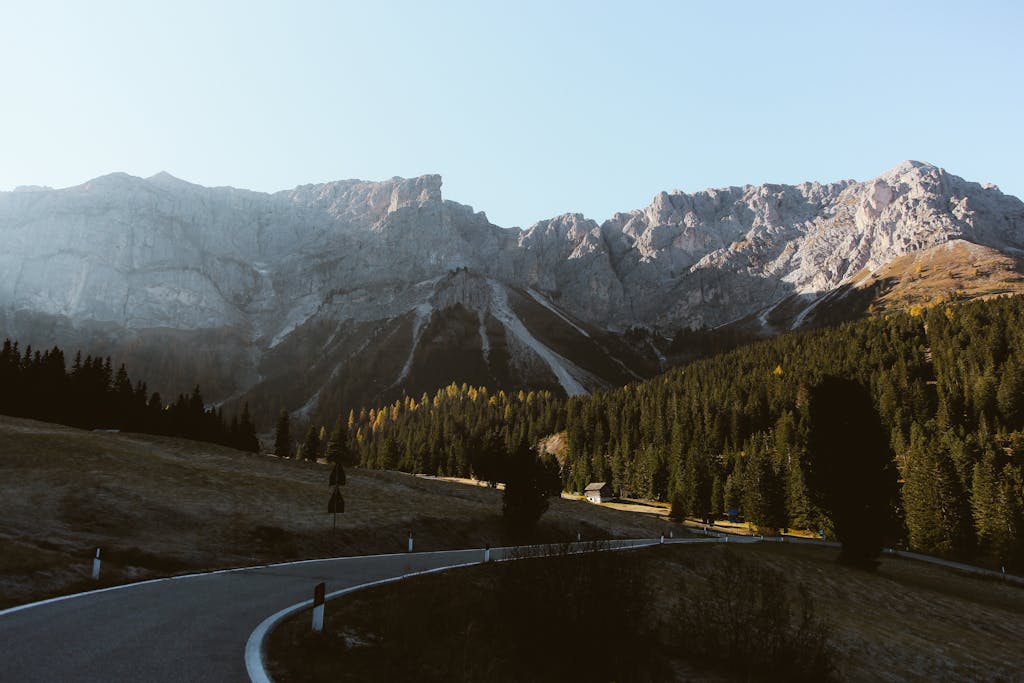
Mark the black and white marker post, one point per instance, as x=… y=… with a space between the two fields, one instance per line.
x=96 y=566
x=318 y=607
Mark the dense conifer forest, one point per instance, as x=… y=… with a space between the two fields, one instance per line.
x=91 y=395
x=729 y=432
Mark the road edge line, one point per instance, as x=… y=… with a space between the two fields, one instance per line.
x=211 y=572
x=255 y=662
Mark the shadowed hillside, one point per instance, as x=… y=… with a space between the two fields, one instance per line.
x=160 y=505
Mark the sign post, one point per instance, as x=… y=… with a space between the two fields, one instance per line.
x=336 y=504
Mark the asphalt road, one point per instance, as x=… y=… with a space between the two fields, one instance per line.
x=187 y=629
x=192 y=628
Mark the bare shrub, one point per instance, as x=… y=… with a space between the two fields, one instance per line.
x=750 y=619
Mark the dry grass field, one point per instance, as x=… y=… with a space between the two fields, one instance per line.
x=909 y=621
x=905 y=622
x=159 y=506
x=957 y=270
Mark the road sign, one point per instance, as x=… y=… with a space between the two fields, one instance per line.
x=337 y=475
x=337 y=503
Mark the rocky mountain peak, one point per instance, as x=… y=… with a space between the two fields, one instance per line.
x=365 y=203
x=330 y=261
x=116 y=181
x=165 y=179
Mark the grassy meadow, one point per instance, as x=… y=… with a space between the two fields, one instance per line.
x=907 y=621
x=159 y=506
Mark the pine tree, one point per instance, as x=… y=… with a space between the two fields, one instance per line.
x=526 y=495
x=849 y=468
x=800 y=513
x=733 y=490
x=1009 y=541
x=282 y=436
x=247 y=440
x=696 y=488
x=985 y=501
x=1010 y=396
x=935 y=504
x=337 y=446
x=310 y=449
x=717 y=495
x=764 y=502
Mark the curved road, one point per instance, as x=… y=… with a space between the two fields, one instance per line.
x=195 y=628
x=191 y=628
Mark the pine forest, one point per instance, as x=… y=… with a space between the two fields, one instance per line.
x=729 y=432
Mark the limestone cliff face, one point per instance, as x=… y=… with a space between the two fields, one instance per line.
x=718 y=255
x=332 y=269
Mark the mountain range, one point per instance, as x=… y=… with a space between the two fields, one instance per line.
x=347 y=293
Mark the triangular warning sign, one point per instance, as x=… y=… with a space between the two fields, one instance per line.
x=337 y=503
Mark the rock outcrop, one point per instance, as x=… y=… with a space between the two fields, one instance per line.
x=352 y=272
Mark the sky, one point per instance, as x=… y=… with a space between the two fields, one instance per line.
x=527 y=109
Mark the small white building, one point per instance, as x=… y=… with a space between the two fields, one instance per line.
x=599 y=492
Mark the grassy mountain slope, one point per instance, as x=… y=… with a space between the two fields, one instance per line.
x=906 y=622
x=159 y=506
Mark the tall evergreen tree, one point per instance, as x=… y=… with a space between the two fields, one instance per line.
x=337 y=446
x=247 y=440
x=849 y=468
x=800 y=513
x=526 y=493
x=282 y=436
x=764 y=504
x=310 y=448
x=936 y=507
x=1009 y=536
x=985 y=503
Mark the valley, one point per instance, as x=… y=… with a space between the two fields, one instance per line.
x=672 y=353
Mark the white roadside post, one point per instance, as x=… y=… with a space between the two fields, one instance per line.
x=662 y=541
x=96 y=566
x=410 y=541
x=318 y=607
x=487 y=553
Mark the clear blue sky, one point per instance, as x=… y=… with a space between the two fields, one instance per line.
x=528 y=109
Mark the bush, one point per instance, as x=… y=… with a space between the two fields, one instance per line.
x=559 y=617
x=578 y=617
x=751 y=620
